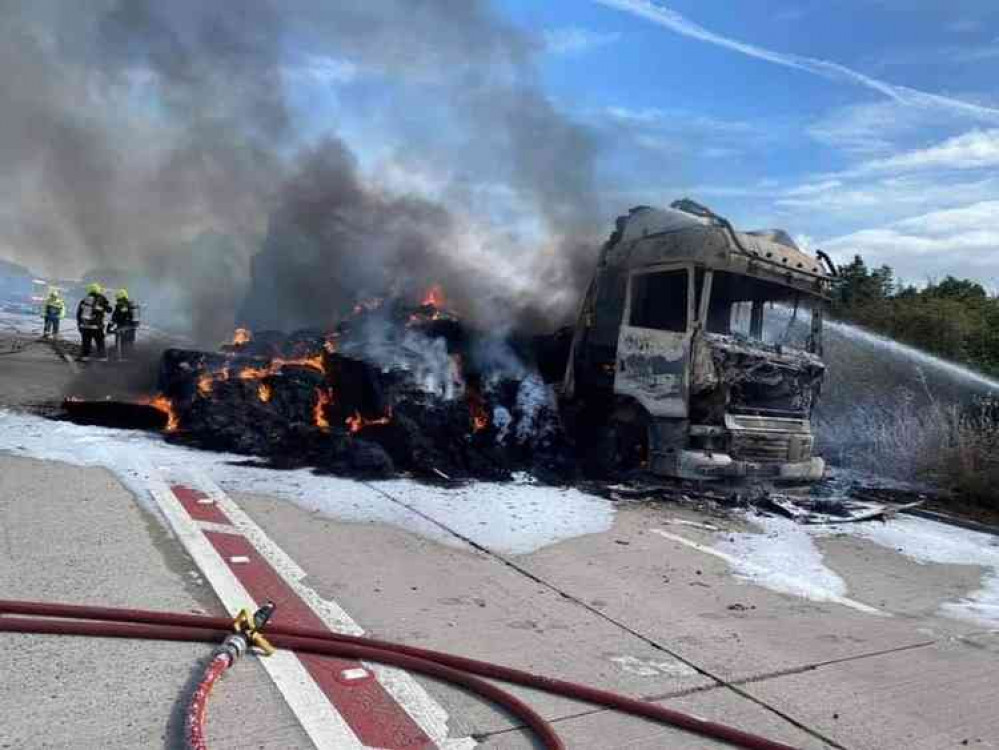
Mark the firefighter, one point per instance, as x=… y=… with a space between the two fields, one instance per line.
x=54 y=310
x=124 y=322
x=90 y=320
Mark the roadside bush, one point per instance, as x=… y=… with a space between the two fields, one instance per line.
x=950 y=447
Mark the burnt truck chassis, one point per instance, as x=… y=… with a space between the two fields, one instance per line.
x=659 y=378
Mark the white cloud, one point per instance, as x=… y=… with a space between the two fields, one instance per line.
x=645 y=116
x=573 y=40
x=867 y=128
x=964 y=25
x=976 y=53
x=941 y=224
x=670 y=19
x=679 y=132
x=962 y=241
x=977 y=149
x=659 y=144
x=324 y=70
x=679 y=119
x=813 y=188
x=860 y=200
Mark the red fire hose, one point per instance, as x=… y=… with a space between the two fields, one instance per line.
x=130 y=623
x=199 y=701
x=196 y=710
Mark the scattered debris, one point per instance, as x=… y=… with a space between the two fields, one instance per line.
x=693 y=524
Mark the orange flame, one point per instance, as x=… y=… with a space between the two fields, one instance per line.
x=165 y=405
x=207 y=381
x=323 y=399
x=264 y=392
x=255 y=373
x=241 y=337
x=434 y=297
x=316 y=362
x=275 y=365
x=357 y=423
x=477 y=412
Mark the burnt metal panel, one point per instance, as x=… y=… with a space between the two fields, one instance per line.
x=652 y=369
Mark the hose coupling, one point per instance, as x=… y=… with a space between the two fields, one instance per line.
x=248 y=627
x=233 y=647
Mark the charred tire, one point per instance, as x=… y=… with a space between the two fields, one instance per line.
x=621 y=444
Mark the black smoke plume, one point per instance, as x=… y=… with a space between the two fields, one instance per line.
x=161 y=140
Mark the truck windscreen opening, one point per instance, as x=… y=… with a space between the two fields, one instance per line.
x=750 y=308
x=659 y=300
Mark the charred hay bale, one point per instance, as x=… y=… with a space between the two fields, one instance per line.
x=251 y=415
x=307 y=445
x=308 y=342
x=357 y=386
x=294 y=393
x=232 y=420
x=369 y=459
x=180 y=369
x=262 y=344
x=429 y=434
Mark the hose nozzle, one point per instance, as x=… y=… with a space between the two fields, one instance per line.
x=249 y=626
x=263 y=615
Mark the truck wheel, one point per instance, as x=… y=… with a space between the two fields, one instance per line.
x=619 y=447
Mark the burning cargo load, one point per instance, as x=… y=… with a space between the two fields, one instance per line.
x=393 y=389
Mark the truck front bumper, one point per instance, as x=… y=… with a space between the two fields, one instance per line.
x=705 y=465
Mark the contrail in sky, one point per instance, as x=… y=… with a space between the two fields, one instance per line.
x=672 y=20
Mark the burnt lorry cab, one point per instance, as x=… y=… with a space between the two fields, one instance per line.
x=698 y=349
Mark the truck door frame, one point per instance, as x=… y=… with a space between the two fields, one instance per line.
x=654 y=365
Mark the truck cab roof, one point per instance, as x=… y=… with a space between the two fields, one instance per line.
x=649 y=236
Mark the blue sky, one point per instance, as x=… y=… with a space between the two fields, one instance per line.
x=884 y=141
x=860 y=126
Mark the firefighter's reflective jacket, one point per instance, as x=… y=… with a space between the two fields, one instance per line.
x=125 y=314
x=91 y=311
x=55 y=307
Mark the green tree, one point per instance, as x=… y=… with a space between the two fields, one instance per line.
x=954 y=318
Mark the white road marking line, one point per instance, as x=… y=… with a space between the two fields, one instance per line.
x=752 y=569
x=431 y=717
x=217 y=528
x=357 y=673
x=239 y=559
x=325 y=726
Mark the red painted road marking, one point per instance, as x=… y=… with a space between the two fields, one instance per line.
x=374 y=716
x=198 y=511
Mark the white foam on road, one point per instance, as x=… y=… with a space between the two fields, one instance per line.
x=517 y=517
x=513 y=518
x=778 y=572
x=927 y=541
x=784 y=557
